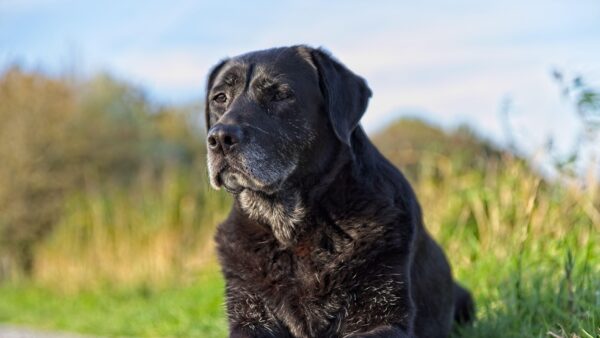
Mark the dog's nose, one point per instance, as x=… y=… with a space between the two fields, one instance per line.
x=224 y=137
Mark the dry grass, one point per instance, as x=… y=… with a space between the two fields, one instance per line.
x=150 y=236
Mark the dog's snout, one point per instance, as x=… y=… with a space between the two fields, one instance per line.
x=224 y=137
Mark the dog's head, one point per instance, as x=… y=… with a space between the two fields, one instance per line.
x=273 y=115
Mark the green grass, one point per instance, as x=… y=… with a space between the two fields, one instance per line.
x=535 y=296
x=532 y=305
x=185 y=311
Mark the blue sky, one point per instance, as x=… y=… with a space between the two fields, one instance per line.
x=450 y=62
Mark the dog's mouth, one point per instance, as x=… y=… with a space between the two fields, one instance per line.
x=234 y=181
x=223 y=175
x=236 y=175
x=229 y=180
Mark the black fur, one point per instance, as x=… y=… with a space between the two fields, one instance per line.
x=325 y=238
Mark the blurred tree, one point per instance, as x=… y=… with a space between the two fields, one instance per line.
x=409 y=141
x=34 y=112
x=56 y=137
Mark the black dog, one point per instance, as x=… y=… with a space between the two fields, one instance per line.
x=325 y=238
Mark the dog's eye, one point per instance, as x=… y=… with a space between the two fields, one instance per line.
x=220 y=98
x=281 y=95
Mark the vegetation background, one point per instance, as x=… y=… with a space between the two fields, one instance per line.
x=106 y=216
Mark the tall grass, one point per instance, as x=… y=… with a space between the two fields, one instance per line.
x=526 y=247
x=148 y=235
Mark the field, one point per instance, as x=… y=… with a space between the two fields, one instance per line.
x=132 y=254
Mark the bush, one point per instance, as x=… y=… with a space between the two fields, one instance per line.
x=58 y=137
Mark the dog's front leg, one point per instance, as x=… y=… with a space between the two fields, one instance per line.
x=382 y=332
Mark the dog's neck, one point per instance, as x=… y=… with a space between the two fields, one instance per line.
x=283 y=211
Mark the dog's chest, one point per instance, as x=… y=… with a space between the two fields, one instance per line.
x=316 y=293
x=304 y=289
x=318 y=285
x=297 y=283
x=303 y=269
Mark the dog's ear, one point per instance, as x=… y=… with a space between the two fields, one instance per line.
x=209 y=83
x=346 y=94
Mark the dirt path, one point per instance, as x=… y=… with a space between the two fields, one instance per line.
x=9 y=331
